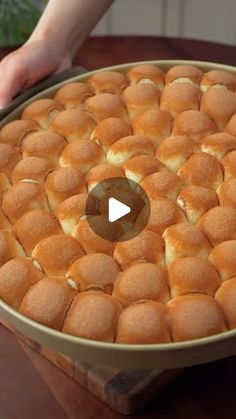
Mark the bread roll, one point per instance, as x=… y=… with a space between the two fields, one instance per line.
x=9 y=247
x=162 y=184
x=182 y=240
x=184 y=74
x=108 y=82
x=218 y=224
x=73 y=94
x=82 y=155
x=139 y=167
x=147 y=74
x=109 y=130
x=229 y=163
x=140 y=97
x=218 y=145
x=227 y=193
x=154 y=123
x=94 y=271
x=9 y=157
x=105 y=105
x=143 y=323
x=16 y=277
x=196 y=200
x=141 y=282
x=219 y=104
x=226 y=297
x=128 y=147
x=63 y=183
x=195 y=316
x=48 y=301
x=22 y=198
x=195 y=124
x=179 y=97
x=16 y=131
x=223 y=258
x=73 y=124
x=42 y=111
x=231 y=125
x=93 y=315
x=46 y=144
x=174 y=151
x=56 y=253
x=31 y=169
x=193 y=275
x=147 y=246
x=218 y=78
x=34 y=226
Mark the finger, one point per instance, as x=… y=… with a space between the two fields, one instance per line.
x=13 y=75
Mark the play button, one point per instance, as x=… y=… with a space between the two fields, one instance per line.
x=119 y=202
x=116 y=210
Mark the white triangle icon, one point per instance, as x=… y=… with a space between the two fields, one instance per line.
x=117 y=210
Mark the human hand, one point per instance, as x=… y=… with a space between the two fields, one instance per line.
x=29 y=64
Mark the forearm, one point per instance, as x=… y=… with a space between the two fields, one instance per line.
x=68 y=23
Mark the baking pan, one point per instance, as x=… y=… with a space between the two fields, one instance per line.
x=146 y=356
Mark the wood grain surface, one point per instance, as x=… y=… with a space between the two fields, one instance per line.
x=32 y=388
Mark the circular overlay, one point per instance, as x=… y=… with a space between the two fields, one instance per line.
x=115 y=196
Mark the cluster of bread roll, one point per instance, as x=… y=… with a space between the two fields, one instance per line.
x=174 y=134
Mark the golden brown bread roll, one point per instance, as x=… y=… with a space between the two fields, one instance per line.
x=110 y=130
x=202 y=169
x=227 y=193
x=164 y=212
x=146 y=73
x=196 y=124
x=21 y=198
x=183 y=74
x=70 y=211
x=195 y=200
x=162 y=184
x=74 y=94
x=43 y=111
x=63 y=183
x=193 y=275
x=147 y=246
x=218 y=224
x=5 y=184
x=128 y=147
x=9 y=157
x=229 y=163
x=31 y=169
x=73 y=124
x=231 y=125
x=101 y=173
x=226 y=297
x=16 y=131
x=143 y=323
x=140 y=97
x=56 y=253
x=153 y=123
x=141 y=282
x=174 y=151
x=219 y=104
x=108 y=82
x=179 y=97
x=105 y=105
x=140 y=167
x=34 y=226
x=48 y=301
x=182 y=240
x=223 y=258
x=96 y=270
x=218 y=144
x=45 y=144
x=218 y=78
x=9 y=247
x=4 y=222
x=93 y=315
x=16 y=277
x=195 y=316
x=90 y=241
x=83 y=155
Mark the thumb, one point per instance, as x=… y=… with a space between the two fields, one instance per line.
x=13 y=77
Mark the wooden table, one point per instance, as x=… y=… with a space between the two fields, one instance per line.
x=30 y=387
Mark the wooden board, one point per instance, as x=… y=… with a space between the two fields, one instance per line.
x=126 y=391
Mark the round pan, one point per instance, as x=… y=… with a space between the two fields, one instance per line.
x=149 y=356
